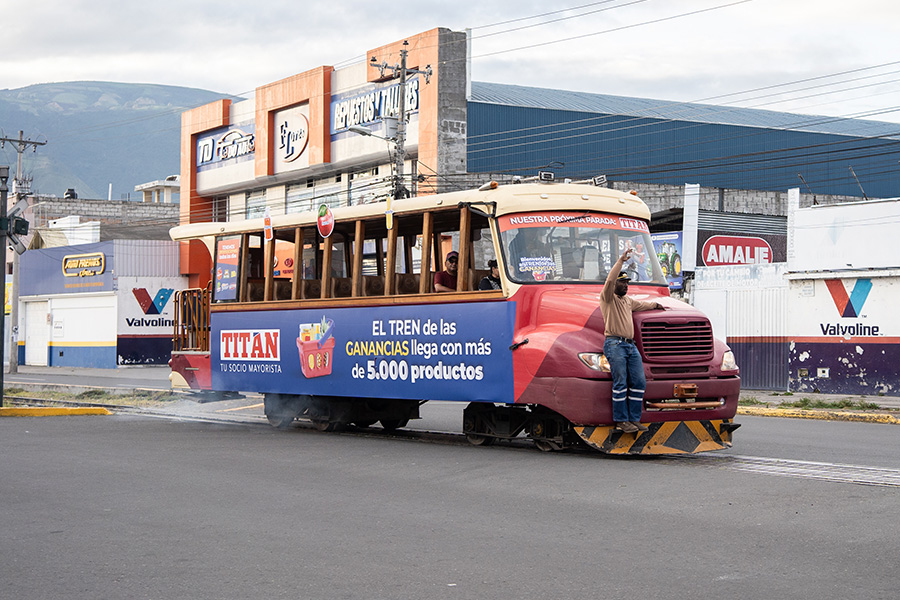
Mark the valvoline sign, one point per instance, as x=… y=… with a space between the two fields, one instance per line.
x=736 y=250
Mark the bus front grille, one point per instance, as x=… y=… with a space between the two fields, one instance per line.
x=662 y=340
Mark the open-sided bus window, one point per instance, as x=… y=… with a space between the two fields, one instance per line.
x=338 y=256
x=253 y=277
x=482 y=252
x=283 y=267
x=567 y=251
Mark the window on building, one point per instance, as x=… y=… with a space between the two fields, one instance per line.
x=256 y=204
x=219 y=209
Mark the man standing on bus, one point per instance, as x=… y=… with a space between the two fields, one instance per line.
x=445 y=281
x=625 y=363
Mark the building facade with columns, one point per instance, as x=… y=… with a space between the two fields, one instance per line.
x=291 y=148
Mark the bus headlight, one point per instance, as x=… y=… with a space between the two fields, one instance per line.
x=728 y=362
x=595 y=360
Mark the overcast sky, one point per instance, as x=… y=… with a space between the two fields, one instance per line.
x=646 y=48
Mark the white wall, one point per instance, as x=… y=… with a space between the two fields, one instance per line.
x=83 y=318
x=845 y=237
x=743 y=300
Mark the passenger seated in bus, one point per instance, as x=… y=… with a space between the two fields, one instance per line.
x=492 y=281
x=445 y=281
x=636 y=267
x=531 y=256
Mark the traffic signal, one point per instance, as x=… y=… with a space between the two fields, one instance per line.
x=19 y=226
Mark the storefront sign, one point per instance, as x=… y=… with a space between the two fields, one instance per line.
x=736 y=250
x=224 y=145
x=292 y=138
x=370 y=107
x=84 y=265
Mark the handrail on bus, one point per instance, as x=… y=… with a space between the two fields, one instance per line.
x=192 y=320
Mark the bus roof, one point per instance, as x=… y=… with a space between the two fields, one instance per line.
x=507 y=199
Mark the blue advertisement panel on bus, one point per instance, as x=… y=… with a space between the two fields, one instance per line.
x=446 y=352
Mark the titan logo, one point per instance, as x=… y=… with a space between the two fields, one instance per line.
x=849 y=306
x=157 y=304
x=249 y=344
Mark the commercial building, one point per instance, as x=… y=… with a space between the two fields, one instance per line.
x=96 y=284
x=98 y=305
x=297 y=143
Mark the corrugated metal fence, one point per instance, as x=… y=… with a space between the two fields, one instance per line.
x=748 y=305
x=146 y=258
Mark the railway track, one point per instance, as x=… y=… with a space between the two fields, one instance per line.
x=821 y=471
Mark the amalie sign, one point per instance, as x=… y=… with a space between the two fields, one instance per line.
x=736 y=250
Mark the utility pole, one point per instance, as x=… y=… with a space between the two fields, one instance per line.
x=21 y=187
x=4 y=176
x=400 y=151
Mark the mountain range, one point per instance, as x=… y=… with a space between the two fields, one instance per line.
x=97 y=134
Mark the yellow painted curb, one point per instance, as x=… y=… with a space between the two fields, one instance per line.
x=51 y=411
x=825 y=415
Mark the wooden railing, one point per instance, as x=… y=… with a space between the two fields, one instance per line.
x=192 y=320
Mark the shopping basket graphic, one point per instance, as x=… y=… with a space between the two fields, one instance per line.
x=316 y=348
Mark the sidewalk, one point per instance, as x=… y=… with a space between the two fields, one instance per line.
x=771 y=405
x=775 y=398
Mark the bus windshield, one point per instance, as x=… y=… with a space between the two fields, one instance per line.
x=562 y=246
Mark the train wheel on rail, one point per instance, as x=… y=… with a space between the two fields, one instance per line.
x=475 y=419
x=391 y=425
x=546 y=446
x=480 y=440
x=280 y=421
x=280 y=411
x=324 y=424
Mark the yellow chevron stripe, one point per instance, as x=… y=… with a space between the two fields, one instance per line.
x=609 y=440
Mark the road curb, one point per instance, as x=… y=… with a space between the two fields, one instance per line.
x=824 y=415
x=51 y=411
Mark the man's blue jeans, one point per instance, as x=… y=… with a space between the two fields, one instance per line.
x=629 y=382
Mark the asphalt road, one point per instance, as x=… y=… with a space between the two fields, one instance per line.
x=137 y=507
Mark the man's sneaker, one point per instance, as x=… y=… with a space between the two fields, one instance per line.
x=626 y=427
x=640 y=427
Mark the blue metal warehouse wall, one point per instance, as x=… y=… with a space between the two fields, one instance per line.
x=521 y=140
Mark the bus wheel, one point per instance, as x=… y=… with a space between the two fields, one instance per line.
x=479 y=440
x=391 y=425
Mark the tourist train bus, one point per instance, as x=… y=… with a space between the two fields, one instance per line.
x=331 y=315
